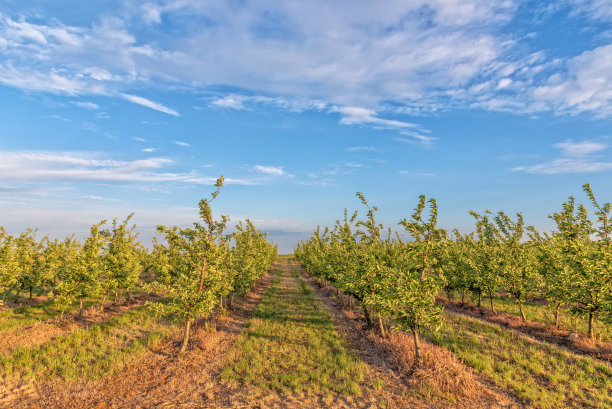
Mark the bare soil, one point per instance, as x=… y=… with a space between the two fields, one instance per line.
x=538 y=330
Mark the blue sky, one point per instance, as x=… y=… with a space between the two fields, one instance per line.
x=112 y=107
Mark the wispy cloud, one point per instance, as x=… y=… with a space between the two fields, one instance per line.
x=435 y=55
x=577 y=157
x=86 y=104
x=181 y=143
x=270 y=170
x=416 y=173
x=94 y=197
x=41 y=167
x=363 y=149
x=584 y=148
x=149 y=104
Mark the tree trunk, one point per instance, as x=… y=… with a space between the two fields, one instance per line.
x=417 y=347
x=522 y=312
x=81 y=306
x=381 y=326
x=30 y=293
x=103 y=299
x=129 y=296
x=185 y=336
x=367 y=315
x=4 y=297
x=17 y=296
x=463 y=297
x=479 y=298
x=557 y=308
x=591 y=322
x=492 y=306
x=116 y=295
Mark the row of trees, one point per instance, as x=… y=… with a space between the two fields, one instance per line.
x=108 y=261
x=399 y=280
x=195 y=268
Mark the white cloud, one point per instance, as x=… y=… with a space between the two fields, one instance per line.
x=181 y=143
x=94 y=197
x=416 y=173
x=418 y=56
x=363 y=149
x=86 y=105
x=43 y=167
x=359 y=116
x=586 y=85
x=230 y=101
x=149 y=104
x=567 y=165
x=270 y=170
x=596 y=9
x=148 y=150
x=151 y=13
x=578 y=157
x=580 y=148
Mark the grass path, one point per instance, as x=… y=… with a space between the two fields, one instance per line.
x=291 y=348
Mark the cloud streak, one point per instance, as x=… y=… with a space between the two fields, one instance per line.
x=578 y=157
x=46 y=167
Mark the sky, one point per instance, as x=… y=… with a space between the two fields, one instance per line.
x=119 y=106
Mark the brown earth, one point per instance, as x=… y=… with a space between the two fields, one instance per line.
x=537 y=330
x=44 y=331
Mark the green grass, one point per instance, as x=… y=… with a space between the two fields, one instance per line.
x=542 y=376
x=539 y=312
x=291 y=346
x=19 y=317
x=89 y=353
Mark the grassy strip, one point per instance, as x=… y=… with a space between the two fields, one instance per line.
x=543 y=376
x=90 y=353
x=291 y=346
x=542 y=313
x=18 y=317
x=12 y=318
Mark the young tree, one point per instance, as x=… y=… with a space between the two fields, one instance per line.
x=122 y=265
x=518 y=268
x=486 y=257
x=415 y=287
x=28 y=254
x=64 y=259
x=8 y=271
x=587 y=261
x=198 y=274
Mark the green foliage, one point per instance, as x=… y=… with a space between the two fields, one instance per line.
x=197 y=267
